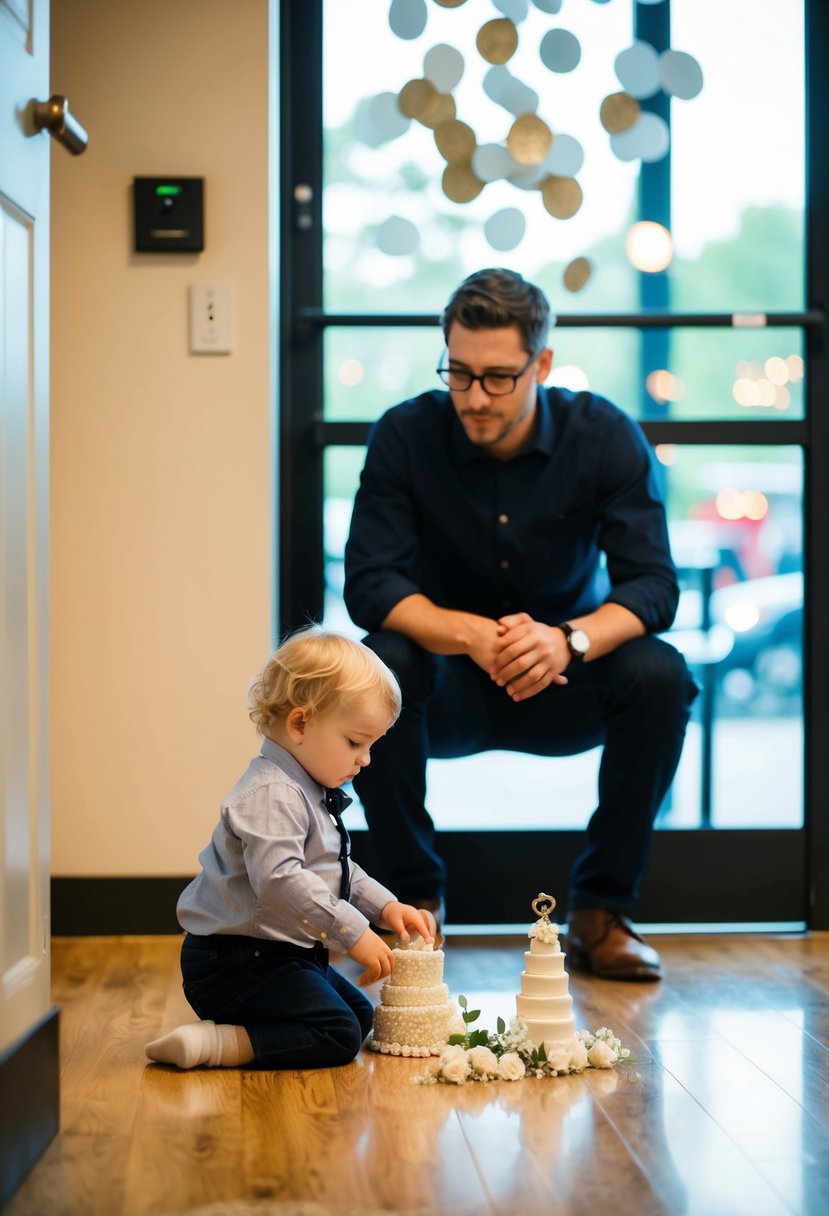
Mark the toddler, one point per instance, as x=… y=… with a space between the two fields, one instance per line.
x=277 y=888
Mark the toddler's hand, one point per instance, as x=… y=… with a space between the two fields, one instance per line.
x=375 y=956
x=403 y=917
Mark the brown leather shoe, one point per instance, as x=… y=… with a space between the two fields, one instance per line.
x=606 y=943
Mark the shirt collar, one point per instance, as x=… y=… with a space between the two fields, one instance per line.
x=293 y=769
x=465 y=451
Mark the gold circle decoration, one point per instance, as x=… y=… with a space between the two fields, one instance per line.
x=618 y=112
x=444 y=110
x=576 y=274
x=529 y=140
x=455 y=141
x=450 y=3
x=417 y=98
x=562 y=196
x=497 y=40
x=460 y=184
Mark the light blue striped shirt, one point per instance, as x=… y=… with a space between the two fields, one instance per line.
x=272 y=866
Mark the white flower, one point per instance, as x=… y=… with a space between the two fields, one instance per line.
x=602 y=1055
x=578 y=1057
x=613 y=1043
x=482 y=1060
x=453 y=1065
x=545 y=931
x=558 y=1056
x=453 y=1052
x=455 y=1071
x=511 y=1067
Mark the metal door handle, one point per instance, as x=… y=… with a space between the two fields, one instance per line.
x=54 y=116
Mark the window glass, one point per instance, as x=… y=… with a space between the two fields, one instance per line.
x=736 y=534
x=396 y=238
x=738 y=157
x=682 y=374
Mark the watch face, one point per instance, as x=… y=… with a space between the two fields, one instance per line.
x=579 y=641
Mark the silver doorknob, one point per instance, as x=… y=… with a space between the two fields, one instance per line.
x=55 y=117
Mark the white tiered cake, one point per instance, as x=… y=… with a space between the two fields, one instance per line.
x=414 y=1017
x=544 y=1002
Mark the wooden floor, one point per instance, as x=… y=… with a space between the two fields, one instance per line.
x=723 y=1108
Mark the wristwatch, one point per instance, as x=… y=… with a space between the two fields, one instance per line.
x=578 y=643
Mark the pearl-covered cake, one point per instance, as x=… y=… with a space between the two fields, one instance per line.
x=544 y=1001
x=415 y=1016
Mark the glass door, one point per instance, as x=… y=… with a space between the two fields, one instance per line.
x=645 y=163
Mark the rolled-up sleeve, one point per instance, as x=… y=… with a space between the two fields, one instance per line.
x=633 y=529
x=381 y=554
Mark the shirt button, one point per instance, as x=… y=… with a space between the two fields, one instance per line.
x=256 y=953
x=323 y=935
x=503 y=519
x=343 y=931
x=504 y=565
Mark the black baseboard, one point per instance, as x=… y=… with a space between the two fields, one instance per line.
x=721 y=876
x=96 y=907
x=30 y=1106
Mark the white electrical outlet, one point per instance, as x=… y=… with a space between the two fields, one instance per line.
x=211 y=318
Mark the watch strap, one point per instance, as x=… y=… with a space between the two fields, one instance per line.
x=567 y=629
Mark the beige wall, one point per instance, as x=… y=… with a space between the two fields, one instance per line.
x=162 y=529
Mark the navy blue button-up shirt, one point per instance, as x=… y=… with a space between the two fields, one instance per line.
x=436 y=515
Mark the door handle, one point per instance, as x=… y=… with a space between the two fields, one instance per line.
x=55 y=117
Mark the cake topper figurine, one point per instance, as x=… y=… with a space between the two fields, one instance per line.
x=543 y=905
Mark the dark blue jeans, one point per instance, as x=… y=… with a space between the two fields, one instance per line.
x=635 y=702
x=298 y=1011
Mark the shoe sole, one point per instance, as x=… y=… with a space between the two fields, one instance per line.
x=580 y=960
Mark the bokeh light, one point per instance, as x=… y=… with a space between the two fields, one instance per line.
x=350 y=372
x=649 y=246
x=762 y=384
x=569 y=376
x=664 y=386
x=736 y=504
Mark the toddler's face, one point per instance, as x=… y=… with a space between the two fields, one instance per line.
x=336 y=746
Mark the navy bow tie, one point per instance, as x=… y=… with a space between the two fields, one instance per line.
x=335 y=803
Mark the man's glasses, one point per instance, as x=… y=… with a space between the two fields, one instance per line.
x=494 y=384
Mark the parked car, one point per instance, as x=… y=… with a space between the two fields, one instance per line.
x=755 y=643
x=766 y=618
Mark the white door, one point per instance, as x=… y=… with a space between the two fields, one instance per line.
x=24 y=503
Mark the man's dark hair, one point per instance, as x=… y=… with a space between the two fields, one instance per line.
x=496 y=298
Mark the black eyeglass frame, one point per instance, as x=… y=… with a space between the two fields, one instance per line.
x=445 y=372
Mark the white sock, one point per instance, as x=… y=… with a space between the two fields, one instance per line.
x=202 y=1043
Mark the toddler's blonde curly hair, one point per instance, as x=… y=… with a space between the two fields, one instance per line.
x=320 y=672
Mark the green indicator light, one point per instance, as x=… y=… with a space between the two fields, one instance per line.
x=167 y=190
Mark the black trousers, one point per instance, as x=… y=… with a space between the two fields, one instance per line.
x=635 y=702
x=298 y=1011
